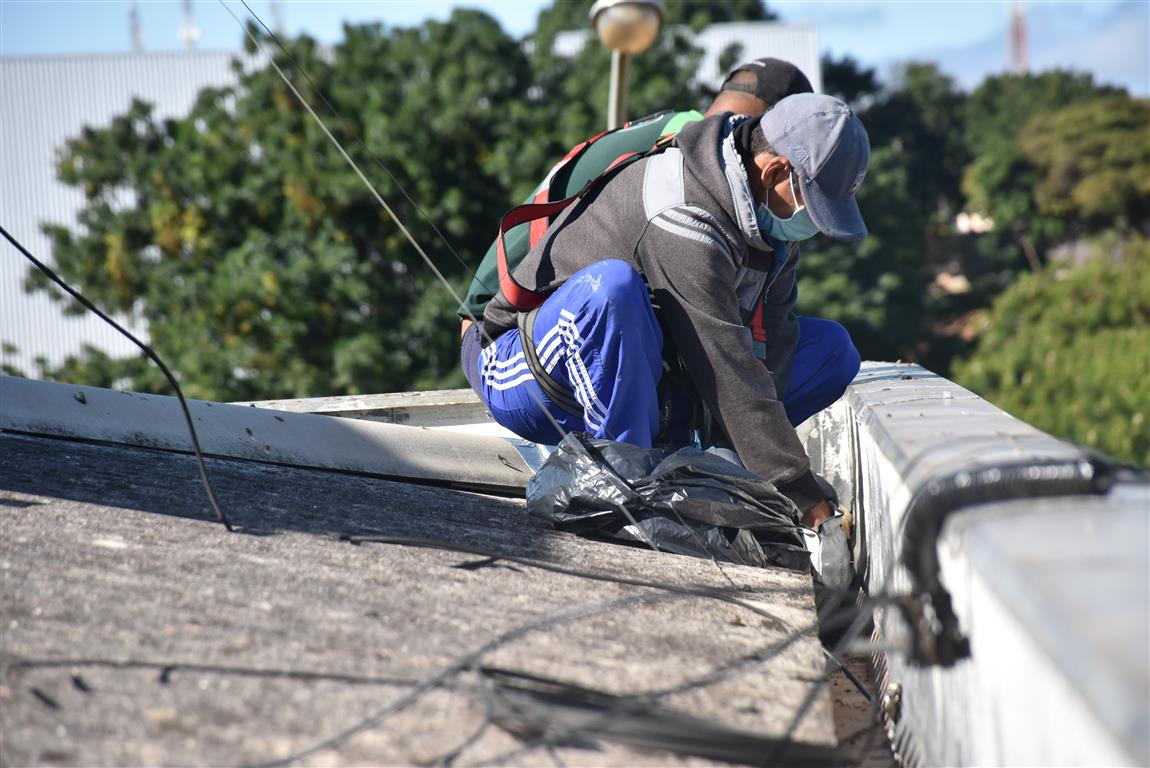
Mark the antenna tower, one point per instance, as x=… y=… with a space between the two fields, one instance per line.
x=1019 y=58
x=134 y=26
x=189 y=32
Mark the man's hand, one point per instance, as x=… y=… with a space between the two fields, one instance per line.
x=816 y=514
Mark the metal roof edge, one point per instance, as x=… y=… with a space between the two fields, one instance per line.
x=258 y=434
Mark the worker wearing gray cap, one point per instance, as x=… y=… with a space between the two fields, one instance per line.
x=682 y=248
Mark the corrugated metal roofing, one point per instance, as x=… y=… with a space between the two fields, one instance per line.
x=48 y=99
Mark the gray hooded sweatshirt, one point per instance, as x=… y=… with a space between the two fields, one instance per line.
x=685 y=219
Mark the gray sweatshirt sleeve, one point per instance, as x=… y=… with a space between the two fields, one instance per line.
x=691 y=267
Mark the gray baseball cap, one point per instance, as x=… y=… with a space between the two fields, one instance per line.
x=829 y=150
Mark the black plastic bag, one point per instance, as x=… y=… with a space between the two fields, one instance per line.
x=689 y=502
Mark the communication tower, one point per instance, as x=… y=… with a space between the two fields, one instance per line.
x=1019 y=59
x=189 y=32
x=134 y=26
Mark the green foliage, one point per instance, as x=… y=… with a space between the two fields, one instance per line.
x=1067 y=349
x=1001 y=179
x=1094 y=163
x=878 y=288
x=261 y=263
x=264 y=268
x=845 y=79
x=8 y=349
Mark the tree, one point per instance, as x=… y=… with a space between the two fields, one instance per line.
x=262 y=265
x=878 y=287
x=1000 y=180
x=844 y=78
x=1093 y=161
x=569 y=92
x=1067 y=349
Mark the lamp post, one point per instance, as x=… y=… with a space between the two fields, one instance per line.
x=626 y=27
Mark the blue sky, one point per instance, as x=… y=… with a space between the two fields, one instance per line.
x=968 y=38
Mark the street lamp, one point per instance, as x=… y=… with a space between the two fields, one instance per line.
x=626 y=27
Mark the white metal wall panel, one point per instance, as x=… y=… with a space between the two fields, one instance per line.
x=48 y=99
x=796 y=43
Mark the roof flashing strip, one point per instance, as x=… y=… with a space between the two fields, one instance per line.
x=477 y=462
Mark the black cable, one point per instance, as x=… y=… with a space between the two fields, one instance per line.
x=641 y=703
x=362 y=144
x=704 y=592
x=849 y=675
x=151 y=356
x=461 y=663
x=471 y=660
x=166 y=669
x=449 y=757
x=716 y=675
x=861 y=617
x=560 y=710
x=467 y=660
x=935 y=631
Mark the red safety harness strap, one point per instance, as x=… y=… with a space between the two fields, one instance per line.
x=758 y=330
x=539 y=226
x=522 y=298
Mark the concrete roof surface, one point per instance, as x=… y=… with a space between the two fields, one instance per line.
x=137 y=630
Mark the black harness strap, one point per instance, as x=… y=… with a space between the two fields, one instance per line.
x=555 y=391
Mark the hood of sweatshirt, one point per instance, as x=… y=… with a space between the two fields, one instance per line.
x=710 y=155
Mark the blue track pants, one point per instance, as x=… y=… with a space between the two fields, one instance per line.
x=597 y=335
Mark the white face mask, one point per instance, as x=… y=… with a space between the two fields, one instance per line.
x=796 y=228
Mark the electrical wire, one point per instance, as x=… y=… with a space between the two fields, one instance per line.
x=465 y=661
x=849 y=675
x=362 y=145
x=374 y=192
x=472 y=660
x=860 y=618
x=168 y=668
x=461 y=663
x=641 y=703
x=449 y=757
x=407 y=234
x=709 y=593
x=859 y=621
x=151 y=356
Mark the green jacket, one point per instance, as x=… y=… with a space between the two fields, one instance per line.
x=639 y=136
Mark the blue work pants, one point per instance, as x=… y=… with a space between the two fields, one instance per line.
x=598 y=337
